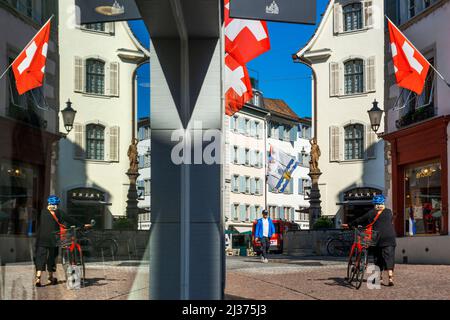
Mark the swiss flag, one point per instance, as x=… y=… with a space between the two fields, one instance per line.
x=238 y=88
x=29 y=66
x=411 y=67
x=245 y=39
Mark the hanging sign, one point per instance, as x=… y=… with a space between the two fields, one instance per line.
x=98 y=11
x=292 y=11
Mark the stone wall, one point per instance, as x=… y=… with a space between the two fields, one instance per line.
x=132 y=245
x=307 y=242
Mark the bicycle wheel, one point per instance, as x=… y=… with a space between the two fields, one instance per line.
x=351 y=266
x=65 y=260
x=332 y=247
x=338 y=248
x=361 y=266
x=107 y=248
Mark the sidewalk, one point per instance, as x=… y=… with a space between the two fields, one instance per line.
x=313 y=278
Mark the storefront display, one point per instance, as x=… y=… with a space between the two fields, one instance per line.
x=423 y=199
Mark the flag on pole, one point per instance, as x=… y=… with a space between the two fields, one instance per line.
x=238 y=88
x=245 y=39
x=29 y=66
x=411 y=67
x=281 y=167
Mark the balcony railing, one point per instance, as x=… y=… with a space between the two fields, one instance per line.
x=415 y=116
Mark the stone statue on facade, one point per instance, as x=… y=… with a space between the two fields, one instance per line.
x=315 y=155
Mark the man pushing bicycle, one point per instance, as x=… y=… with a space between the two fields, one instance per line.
x=51 y=227
x=381 y=221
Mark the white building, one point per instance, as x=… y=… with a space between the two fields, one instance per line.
x=99 y=65
x=144 y=180
x=290 y=134
x=417 y=136
x=247 y=146
x=347 y=57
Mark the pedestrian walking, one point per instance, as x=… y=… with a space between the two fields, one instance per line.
x=381 y=219
x=263 y=232
x=51 y=225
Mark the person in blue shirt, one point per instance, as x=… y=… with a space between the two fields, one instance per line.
x=263 y=232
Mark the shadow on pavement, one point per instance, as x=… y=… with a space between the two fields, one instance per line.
x=342 y=282
x=232 y=297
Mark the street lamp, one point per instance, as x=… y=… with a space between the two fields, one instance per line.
x=68 y=116
x=375 y=115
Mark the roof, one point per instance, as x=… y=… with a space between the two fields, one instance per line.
x=314 y=37
x=280 y=107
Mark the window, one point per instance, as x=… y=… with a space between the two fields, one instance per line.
x=247 y=185
x=354 y=142
x=247 y=157
x=258 y=186
x=95 y=142
x=95 y=27
x=147 y=187
x=412 y=8
x=235 y=183
x=235 y=213
x=247 y=128
x=423 y=199
x=426 y=3
x=235 y=155
x=353 y=17
x=354 y=76
x=95 y=76
x=233 y=124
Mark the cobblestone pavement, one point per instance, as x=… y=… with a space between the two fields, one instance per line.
x=315 y=278
x=283 y=278
x=104 y=281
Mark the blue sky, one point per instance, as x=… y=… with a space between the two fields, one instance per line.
x=278 y=76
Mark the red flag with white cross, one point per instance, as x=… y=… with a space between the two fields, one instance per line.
x=238 y=88
x=411 y=67
x=29 y=66
x=245 y=39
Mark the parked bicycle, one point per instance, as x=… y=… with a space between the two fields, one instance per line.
x=99 y=245
x=359 y=255
x=339 y=244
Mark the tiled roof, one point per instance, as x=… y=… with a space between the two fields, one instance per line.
x=279 y=106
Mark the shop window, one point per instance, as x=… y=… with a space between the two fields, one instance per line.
x=354 y=142
x=100 y=27
x=353 y=17
x=423 y=199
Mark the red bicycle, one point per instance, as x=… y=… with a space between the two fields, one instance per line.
x=359 y=255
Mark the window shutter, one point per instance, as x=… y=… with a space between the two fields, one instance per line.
x=242 y=213
x=371 y=140
x=232 y=123
x=114 y=79
x=252 y=186
x=79 y=75
x=252 y=213
x=334 y=79
x=114 y=144
x=110 y=27
x=242 y=184
x=79 y=144
x=338 y=18
x=370 y=74
x=368 y=14
x=294 y=133
x=233 y=183
x=334 y=144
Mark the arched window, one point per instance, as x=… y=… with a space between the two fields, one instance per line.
x=353 y=17
x=95 y=76
x=354 y=76
x=95 y=142
x=354 y=142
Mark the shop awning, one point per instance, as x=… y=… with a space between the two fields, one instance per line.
x=354 y=202
x=243 y=230
x=91 y=203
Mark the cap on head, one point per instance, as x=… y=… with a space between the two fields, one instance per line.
x=53 y=200
x=378 y=199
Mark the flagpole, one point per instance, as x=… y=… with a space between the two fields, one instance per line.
x=432 y=67
x=9 y=67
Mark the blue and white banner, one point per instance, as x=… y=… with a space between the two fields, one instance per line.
x=281 y=167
